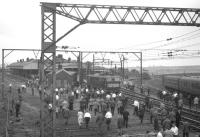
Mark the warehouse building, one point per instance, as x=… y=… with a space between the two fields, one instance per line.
x=64 y=79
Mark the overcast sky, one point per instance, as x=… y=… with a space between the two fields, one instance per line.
x=20 y=27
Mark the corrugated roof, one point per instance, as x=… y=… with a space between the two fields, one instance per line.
x=21 y=65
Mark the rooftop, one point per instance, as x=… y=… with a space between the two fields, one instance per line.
x=32 y=64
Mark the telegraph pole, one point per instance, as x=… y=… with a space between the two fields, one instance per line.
x=2 y=90
x=141 y=72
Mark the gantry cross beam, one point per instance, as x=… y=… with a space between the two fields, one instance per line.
x=110 y=14
x=98 y=14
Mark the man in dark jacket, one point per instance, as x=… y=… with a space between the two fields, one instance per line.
x=190 y=101
x=125 y=117
x=164 y=114
x=104 y=108
x=166 y=124
x=112 y=106
x=66 y=115
x=17 y=108
x=147 y=101
x=178 y=117
x=156 y=124
x=120 y=124
x=186 y=129
x=141 y=113
x=95 y=105
x=100 y=120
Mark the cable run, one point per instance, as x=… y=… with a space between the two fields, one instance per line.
x=168 y=39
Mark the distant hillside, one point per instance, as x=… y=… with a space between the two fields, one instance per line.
x=173 y=69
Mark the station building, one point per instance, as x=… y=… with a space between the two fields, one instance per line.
x=66 y=70
x=24 y=68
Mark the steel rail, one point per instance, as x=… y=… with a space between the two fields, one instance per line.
x=131 y=96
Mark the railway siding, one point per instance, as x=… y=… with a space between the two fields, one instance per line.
x=191 y=116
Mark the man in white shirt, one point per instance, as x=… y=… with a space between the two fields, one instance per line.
x=72 y=93
x=102 y=92
x=159 y=134
x=57 y=111
x=86 y=90
x=136 y=105
x=56 y=90
x=80 y=118
x=108 y=97
x=174 y=129
x=77 y=93
x=97 y=92
x=196 y=102
x=108 y=117
x=114 y=96
x=164 y=92
x=57 y=97
x=50 y=107
x=87 y=117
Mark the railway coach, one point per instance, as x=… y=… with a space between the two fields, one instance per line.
x=108 y=82
x=185 y=85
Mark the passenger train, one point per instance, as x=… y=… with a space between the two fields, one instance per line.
x=185 y=85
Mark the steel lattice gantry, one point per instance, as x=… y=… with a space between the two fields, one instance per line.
x=127 y=14
x=99 y=14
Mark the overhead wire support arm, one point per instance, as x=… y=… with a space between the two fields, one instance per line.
x=8 y=53
x=113 y=14
x=68 y=32
x=82 y=21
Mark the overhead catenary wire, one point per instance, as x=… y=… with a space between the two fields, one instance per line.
x=175 y=55
x=165 y=40
x=174 y=42
x=185 y=34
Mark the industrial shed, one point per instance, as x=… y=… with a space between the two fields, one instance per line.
x=24 y=68
x=64 y=79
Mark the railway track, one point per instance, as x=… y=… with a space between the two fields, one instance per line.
x=193 y=117
x=186 y=108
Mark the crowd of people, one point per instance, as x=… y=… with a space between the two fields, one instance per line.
x=103 y=106
x=97 y=104
x=190 y=100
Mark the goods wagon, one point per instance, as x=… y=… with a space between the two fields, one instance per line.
x=189 y=85
x=104 y=81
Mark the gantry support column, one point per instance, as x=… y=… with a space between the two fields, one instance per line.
x=4 y=101
x=47 y=62
x=2 y=78
x=141 y=75
x=81 y=58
